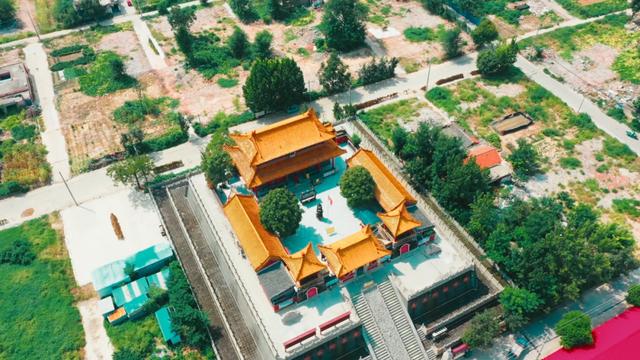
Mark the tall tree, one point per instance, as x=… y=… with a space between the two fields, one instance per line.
x=497 y=60
x=274 y=84
x=7 y=12
x=280 y=212
x=244 y=10
x=484 y=33
x=635 y=6
x=131 y=140
x=525 y=160
x=262 y=45
x=399 y=138
x=357 y=186
x=180 y=20
x=452 y=43
x=343 y=24
x=238 y=44
x=334 y=75
x=574 y=329
x=216 y=164
x=518 y=305
x=132 y=170
x=482 y=330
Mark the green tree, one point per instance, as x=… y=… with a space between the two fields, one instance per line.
x=281 y=9
x=262 y=45
x=483 y=218
x=525 y=160
x=280 y=212
x=452 y=43
x=574 y=329
x=343 y=24
x=484 y=33
x=399 y=138
x=132 y=170
x=90 y=10
x=238 y=44
x=216 y=164
x=244 y=10
x=635 y=111
x=493 y=61
x=633 y=295
x=7 y=12
x=274 y=84
x=181 y=17
x=357 y=186
x=131 y=140
x=518 y=305
x=334 y=75
x=635 y=6
x=375 y=71
x=482 y=330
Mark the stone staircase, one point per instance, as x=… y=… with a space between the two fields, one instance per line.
x=375 y=339
x=402 y=321
x=390 y=331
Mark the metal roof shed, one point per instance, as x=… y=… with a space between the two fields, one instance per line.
x=159 y=279
x=152 y=259
x=169 y=335
x=135 y=306
x=108 y=277
x=106 y=306
x=130 y=291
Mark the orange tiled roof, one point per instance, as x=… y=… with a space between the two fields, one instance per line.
x=260 y=246
x=389 y=192
x=399 y=221
x=253 y=150
x=303 y=263
x=354 y=251
x=485 y=156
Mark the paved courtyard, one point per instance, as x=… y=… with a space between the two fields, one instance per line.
x=90 y=237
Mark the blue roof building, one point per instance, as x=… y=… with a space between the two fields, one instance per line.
x=159 y=279
x=164 y=321
x=108 y=277
x=130 y=291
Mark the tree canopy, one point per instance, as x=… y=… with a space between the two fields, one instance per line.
x=357 y=186
x=483 y=328
x=7 y=12
x=238 y=44
x=496 y=60
x=452 y=43
x=574 y=329
x=633 y=295
x=280 y=212
x=274 y=84
x=216 y=163
x=343 y=24
x=518 y=306
x=132 y=170
x=334 y=75
x=525 y=160
x=262 y=45
x=484 y=33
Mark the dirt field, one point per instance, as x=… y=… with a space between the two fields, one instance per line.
x=87 y=122
x=589 y=2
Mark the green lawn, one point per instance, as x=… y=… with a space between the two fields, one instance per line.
x=38 y=319
x=382 y=120
x=593 y=10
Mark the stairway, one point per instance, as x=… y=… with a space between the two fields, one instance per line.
x=375 y=339
x=402 y=321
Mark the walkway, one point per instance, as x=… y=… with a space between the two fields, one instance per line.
x=154 y=54
x=52 y=136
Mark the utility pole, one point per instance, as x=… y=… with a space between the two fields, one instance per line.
x=582 y=102
x=68 y=189
x=35 y=27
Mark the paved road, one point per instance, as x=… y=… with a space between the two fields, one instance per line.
x=52 y=137
x=578 y=102
x=87 y=186
x=155 y=55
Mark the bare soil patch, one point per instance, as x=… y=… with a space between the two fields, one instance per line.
x=589 y=2
x=126 y=44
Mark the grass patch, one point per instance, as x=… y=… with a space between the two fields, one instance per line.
x=15 y=37
x=618 y=150
x=38 y=319
x=139 y=336
x=106 y=75
x=627 y=206
x=382 y=120
x=443 y=98
x=44 y=16
x=419 y=34
x=597 y=9
x=227 y=82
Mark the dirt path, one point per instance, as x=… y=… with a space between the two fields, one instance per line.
x=98 y=345
x=22 y=13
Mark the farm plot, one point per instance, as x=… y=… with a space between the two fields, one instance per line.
x=577 y=157
x=599 y=59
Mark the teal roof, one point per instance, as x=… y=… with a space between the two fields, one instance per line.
x=150 y=256
x=135 y=304
x=159 y=279
x=130 y=291
x=164 y=321
x=109 y=275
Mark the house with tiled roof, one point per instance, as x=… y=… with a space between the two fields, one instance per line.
x=291 y=148
x=488 y=157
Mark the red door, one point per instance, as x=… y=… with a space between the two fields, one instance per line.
x=404 y=248
x=312 y=292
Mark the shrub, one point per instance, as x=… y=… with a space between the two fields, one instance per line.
x=443 y=98
x=221 y=122
x=21 y=132
x=18 y=253
x=570 y=163
x=262 y=45
x=227 y=83
x=356 y=140
x=574 y=329
x=618 y=150
x=133 y=111
x=11 y=187
x=377 y=71
x=582 y=121
x=357 y=186
x=105 y=76
x=88 y=56
x=633 y=295
x=627 y=206
x=452 y=43
x=280 y=212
